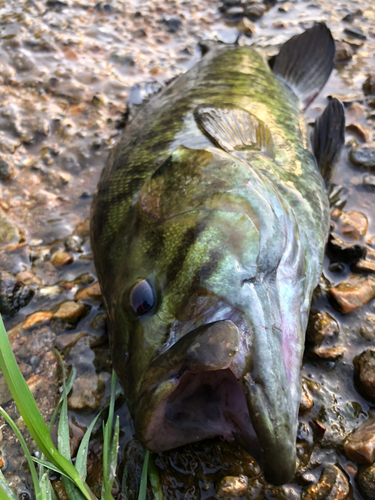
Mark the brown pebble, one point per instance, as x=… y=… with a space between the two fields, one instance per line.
x=353 y=293
x=364 y=265
x=354 y=113
x=366 y=481
x=36 y=384
x=29 y=278
x=70 y=311
x=279 y=25
x=91 y=292
x=365 y=367
x=61 y=258
x=369 y=85
x=67 y=340
x=37 y=319
x=321 y=326
x=367 y=329
x=88 y=390
x=343 y=52
x=328 y=353
x=353 y=224
x=362 y=132
x=359 y=446
x=335 y=214
x=307 y=401
x=333 y=484
x=232 y=487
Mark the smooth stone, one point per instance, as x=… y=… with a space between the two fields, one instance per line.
x=87 y=392
x=70 y=311
x=37 y=319
x=307 y=401
x=61 y=259
x=333 y=484
x=363 y=155
x=9 y=232
x=321 y=326
x=362 y=132
x=353 y=293
x=356 y=32
x=91 y=292
x=6 y=168
x=366 y=482
x=369 y=84
x=359 y=446
x=232 y=486
x=13 y=294
x=365 y=368
x=353 y=224
x=344 y=52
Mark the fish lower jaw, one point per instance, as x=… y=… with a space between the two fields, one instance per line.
x=194 y=407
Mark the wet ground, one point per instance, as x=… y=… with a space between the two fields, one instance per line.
x=66 y=70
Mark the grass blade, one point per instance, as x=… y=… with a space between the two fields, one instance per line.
x=48 y=465
x=107 y=435
x=154 y=479
x=3 y=495
x=7 y=489
x=112 y=464
x=69 y=385
x=30 y=413
x=34 y=475
x=81 y=459
x=143 y=485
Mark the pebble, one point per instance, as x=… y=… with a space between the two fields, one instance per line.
x=359 y=446
x=61 y=258
x=354 y=113
x=5 y=394
x=367 y=329
x=70 y=311
x=87 y=392
x=37 y=319
x=345 y=252
x=73 y=243
x=9 y=233
x=364 y=266
x=286 y=7
x=321 y=326
x=255 y=11
x=327 y=353
x=13 y=294
x=173 y=24
x=363 y=155
x=67 y=340
x=362 y=132
x=91 y=292
x=29 y=278
x=369 y=85
x=6 y=168
x=365 y=368
x=37 y=384
x=40 y=341
x=366 y=481
x=355 y=32
x=344 y=52
x=332 y=485
x=232 y=487
x=353 y=293
x=368 y=181
x=353 y=224
x=307 y=401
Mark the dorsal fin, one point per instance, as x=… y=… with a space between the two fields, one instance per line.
x=328 y=138
x=306 y=61
x=235 y=129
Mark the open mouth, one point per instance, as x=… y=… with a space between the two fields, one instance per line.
x=203 y=405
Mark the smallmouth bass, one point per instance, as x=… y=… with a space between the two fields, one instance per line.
x=208 y=230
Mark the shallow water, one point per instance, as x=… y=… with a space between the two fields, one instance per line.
x=66 y=73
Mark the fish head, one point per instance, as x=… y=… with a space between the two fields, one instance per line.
x=198 y=337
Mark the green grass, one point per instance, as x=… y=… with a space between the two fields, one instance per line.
x=58 y=459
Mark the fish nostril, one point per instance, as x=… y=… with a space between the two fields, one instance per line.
x=248 y=280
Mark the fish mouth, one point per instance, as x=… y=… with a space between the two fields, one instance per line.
x=198 y=389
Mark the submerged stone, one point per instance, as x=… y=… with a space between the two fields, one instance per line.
x=9 y=232
x=363 y=155
x=369 y=85
x=353 y=293
x=13 y=294
x=353 y=224
x=366 y=482
x=359 y=446
x=365 y=367
x=232 y=487
x=333 y=484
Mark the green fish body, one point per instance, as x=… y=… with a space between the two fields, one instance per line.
x=208 y=231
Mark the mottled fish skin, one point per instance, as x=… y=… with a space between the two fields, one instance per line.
x=219 y=236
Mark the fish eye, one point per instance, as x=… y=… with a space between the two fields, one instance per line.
x=142 y=298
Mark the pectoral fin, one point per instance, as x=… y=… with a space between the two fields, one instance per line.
x=235 y=129
x=306 y=61
x=328 y=138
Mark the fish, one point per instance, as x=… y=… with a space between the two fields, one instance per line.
x=208 y=229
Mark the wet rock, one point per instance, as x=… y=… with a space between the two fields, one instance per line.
x=359 y=446
x=61 y=258
x=29 y=278
x=321 y=326
x=366 y=482
x=365 y=368
x=369 y=85
x=73 y=243
x=37 y=319
x=68 y=340
x=354 y=113
x=6 y=168
x=91 y=292
x=232 y=487
x=36 y=344
x=363 y=155
x=173 y=24
x=327 y=353
x=368 y=181
x=332 y=485
x=70 y=311
x=349 y=18
x=234 y=14
x=362 y=132
x=307 y=401
x=22 y=62
x=99 y=322
x=9 y=232
x=353 y=224
x=50 y=291
x=13 y=294
x=286 y=7
x=37 y=385
x=356 y=32
x=246 y=27
x=343 y=251
x=353 y=293
x=5 y=394
x=364 y=266
x=367 y=329
x=344 y=52
x=255 y=11
x=87 y=392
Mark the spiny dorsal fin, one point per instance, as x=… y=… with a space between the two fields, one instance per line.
x=235 y=129
x=306 y=61
x=328 y=138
